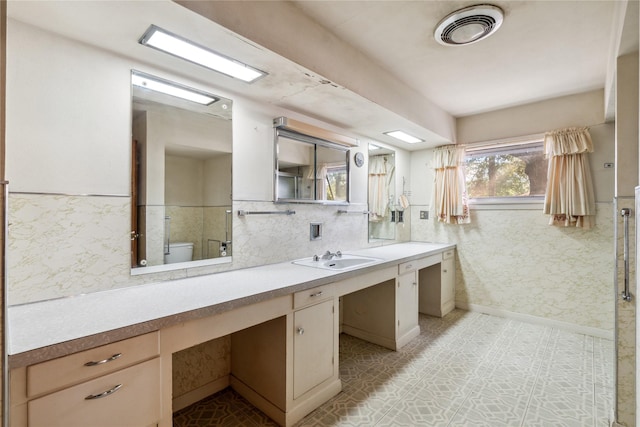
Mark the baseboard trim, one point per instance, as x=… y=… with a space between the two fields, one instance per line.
x=571 y=327
x=272 y=411
x=406 y=338
x=370 y=337
x=312 y=400
x=200 y=393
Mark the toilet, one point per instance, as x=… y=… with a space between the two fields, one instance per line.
x=179 y=252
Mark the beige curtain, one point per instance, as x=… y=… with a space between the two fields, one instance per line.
x=378 y=188
x=569 y=196
x=449 y=200
x=320 y=172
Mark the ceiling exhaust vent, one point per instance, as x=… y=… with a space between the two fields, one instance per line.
x=469 y=25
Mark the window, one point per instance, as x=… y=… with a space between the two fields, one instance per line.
x=506 y=173
x=335 y=187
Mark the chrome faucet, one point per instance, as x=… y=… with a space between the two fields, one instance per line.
x=329 y=255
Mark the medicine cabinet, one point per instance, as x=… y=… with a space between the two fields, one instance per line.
x=311 y=164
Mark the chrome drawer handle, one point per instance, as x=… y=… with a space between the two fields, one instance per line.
x=100 y=362
x=104 y=393
x=317 y=294
x=300 y=331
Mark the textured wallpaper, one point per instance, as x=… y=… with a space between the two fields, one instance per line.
x=66 y=245
x=196 y=366
x=513 y=260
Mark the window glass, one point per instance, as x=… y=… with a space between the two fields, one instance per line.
x=506 y=171
x=336 y=183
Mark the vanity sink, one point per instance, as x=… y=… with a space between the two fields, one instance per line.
x=338 y=263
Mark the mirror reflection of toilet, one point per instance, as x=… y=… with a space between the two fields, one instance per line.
x=179 y=252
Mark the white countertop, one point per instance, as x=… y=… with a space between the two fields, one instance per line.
x=48 y=329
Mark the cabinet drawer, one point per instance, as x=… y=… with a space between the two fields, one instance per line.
x=448 y=254
x=75 y=368
x=312 y=296
x=418 y=264
x=406 y=267
x=135 y=403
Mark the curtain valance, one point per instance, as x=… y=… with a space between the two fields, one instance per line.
x=569 y=197
x=448 y=156
x=567 y=141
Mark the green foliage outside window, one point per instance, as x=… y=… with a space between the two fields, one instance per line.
x=336 y=184
x=517 y=171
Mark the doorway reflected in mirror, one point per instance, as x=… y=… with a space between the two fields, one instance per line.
x=181 y=181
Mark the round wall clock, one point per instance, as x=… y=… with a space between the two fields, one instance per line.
x=358 y=158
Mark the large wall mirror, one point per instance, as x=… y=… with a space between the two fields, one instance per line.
x=309 y=169
x=181 y=179
x=385 y=213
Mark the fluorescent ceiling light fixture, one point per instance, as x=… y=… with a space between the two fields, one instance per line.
x=170 y=43
x=167 y=87
x=403 y=136
x=373 y=147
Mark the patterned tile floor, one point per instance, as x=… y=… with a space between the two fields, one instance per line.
x=468 y=369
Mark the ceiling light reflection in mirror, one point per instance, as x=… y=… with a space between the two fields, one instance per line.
x=167 y=87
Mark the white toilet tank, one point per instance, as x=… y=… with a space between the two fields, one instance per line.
x=179 y=252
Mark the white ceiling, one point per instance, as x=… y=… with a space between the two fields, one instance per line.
x=364 y=66
x=544 y=49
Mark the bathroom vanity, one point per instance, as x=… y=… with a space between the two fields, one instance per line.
x=105 y=359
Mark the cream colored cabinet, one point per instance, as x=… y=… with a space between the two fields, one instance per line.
x=129 y=397
x=115 y=384
x=437 y=286
x=284 y=351
x=313 y=346
x=287 y=366
x=448 y=281
x=407 y=304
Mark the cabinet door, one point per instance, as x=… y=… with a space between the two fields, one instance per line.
x=448 y=281
x=407 y=302
x=313 y=346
